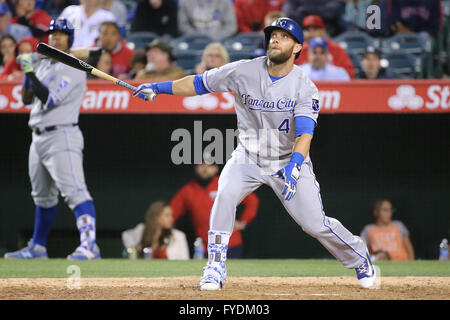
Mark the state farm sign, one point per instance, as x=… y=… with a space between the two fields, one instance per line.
x=358 y=96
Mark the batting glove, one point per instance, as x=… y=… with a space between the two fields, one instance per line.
x=147 y=88
x=290 y=174
x=26 y=62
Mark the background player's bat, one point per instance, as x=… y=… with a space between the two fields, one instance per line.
x=73 y=62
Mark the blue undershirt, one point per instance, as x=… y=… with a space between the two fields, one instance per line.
x=276 y=78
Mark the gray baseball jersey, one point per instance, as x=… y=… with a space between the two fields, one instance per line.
x=56 y=157
x=66 y=86
x=267 y=106
x=265 y=109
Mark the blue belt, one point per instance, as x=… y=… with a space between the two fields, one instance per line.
x=51 y=128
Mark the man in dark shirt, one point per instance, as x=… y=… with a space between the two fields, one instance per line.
x=371 y=66
x=157 y=16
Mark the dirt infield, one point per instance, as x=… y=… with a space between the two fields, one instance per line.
x=248 y=288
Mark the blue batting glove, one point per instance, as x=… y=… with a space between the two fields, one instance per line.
x=290 y=174
x=147 y=88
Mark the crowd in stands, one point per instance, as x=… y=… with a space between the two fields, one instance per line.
x=166 y=39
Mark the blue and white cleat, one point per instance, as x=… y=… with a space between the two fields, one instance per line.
x=32 y=251
x=86 y=251
x=213 y=278
x=366 y=273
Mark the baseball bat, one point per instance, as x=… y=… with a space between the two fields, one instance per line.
x=73 y=62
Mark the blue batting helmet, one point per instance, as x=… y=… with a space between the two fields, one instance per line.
x=62 y=25
x=288 y=25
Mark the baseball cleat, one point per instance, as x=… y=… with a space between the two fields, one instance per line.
x=366 y=273
x=32 y=251
x=213 y=278
x=86 y=251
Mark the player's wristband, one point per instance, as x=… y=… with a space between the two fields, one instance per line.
x=164 y=87
x=297 y=158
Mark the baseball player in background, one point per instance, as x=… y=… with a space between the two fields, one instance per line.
x=277 y=107
x=55 y=93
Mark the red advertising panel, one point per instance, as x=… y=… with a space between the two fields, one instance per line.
x=358 y=96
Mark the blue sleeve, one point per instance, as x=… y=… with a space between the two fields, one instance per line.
x=304 y=125
x=199 y=86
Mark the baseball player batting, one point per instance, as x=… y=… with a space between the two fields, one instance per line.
x=55 y=93
x=273 y=97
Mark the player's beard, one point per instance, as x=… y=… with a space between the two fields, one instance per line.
x=281 y=57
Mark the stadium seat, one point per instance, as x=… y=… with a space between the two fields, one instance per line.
x=407 y=43
x=355 y=42
x=188 y=59
x=191 y=42
x=404 y=64
x=356 y=60
x=244 y=42
x=239 y=55
x=140 y=39
x=419 y=44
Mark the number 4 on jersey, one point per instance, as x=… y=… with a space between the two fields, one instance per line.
x=284 y=126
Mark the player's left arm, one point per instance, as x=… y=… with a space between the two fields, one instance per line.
x=32 y=86
x=304 y=129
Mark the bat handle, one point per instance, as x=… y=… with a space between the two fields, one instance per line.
x=145 y=96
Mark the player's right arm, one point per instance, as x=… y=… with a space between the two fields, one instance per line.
x=186 y=87
x=221 y=79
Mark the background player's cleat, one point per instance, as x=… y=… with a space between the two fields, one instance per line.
x=86 y=251
x=366 y=273
x=32 y=251
x=213 y=278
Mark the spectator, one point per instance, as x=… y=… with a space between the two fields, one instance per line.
x=158 y=234
x=37 y=21
x=371 y=66
x=215 y=55
x=55 y=7
x=102 y=62
x=313 y=26
x=330 y=11
x=250 y=14
x=355 y=14
x=387 y=239
x=12 y=70
x=119 y=11
x=215 y=18
x=410 y=16
x=7 y=45
x=137 y=63
x=160 y=63
x=111 y=41
x=318 y=68
x=18 y=31
x=157 y=16
x=197 y=198
x=271 y=16
x=86 y=18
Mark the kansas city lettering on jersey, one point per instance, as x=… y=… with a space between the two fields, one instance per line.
x=282 y=104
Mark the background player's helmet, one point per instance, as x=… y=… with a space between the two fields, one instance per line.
x=288 y=25
x=63 y=25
